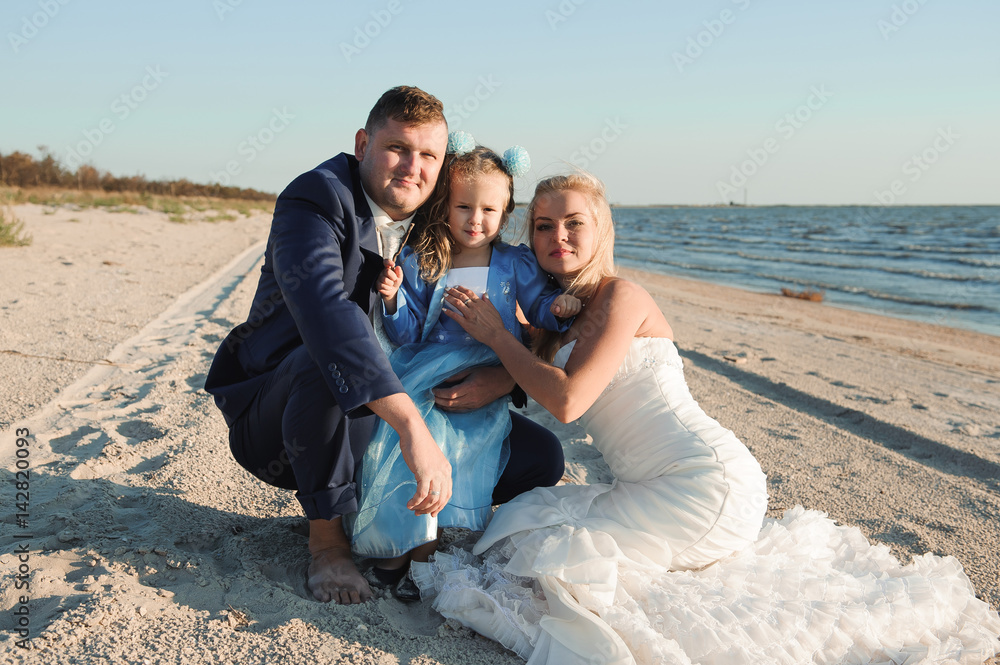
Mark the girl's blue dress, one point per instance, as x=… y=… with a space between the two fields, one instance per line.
x=433 y=348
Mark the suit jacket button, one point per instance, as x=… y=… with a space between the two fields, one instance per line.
x=340 y=382
x=343 y=389
x=332 y=367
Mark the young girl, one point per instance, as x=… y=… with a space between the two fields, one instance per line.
x=457 y=245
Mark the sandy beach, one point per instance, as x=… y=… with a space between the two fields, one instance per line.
x=147 y=543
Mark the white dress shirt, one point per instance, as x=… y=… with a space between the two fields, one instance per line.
x=390 y=232
x=390 y=235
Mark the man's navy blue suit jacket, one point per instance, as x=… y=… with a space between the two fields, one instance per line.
x=316 y=289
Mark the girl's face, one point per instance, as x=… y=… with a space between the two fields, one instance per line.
x=563 y=233
x=475 y=209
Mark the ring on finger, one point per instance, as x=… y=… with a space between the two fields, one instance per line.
x=435 y=493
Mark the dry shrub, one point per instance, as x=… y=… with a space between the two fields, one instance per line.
x=12 y=231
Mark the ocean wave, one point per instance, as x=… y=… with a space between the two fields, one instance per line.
x=921 y=273
x=912 y=272
x=966 y=249
x=646 y=262
x=898 y=251
x=915 y=261
x=986 y=263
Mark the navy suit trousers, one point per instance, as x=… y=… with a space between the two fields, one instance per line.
x=295 y=436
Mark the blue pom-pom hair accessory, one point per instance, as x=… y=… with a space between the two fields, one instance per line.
x=516 y=161
x=460 y=142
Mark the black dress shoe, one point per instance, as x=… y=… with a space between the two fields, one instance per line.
x=407 y=590
x=383 y=578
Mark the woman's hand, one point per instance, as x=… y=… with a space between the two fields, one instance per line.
x=476 y=315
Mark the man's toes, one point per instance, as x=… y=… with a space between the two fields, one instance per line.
x=319 y=590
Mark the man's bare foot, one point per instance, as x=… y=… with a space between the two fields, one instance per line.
x=333 y=576
x=332 y=573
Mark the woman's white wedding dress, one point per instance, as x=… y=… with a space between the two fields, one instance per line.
x=669 y=563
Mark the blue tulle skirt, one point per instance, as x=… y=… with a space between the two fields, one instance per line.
x=475 y=443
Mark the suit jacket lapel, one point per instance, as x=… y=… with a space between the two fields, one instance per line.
x=367 y=240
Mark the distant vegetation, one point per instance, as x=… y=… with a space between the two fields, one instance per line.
x=24 y=179
x=18 y=169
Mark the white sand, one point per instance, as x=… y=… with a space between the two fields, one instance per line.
x=148 y=544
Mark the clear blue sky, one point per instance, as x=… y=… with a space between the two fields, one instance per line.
x=664 y=118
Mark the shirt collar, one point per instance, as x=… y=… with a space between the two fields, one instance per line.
x=382 y=219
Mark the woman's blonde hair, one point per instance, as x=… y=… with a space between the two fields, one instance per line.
x=432 y=241
x=585 y=283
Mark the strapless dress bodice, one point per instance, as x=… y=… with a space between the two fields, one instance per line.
x=647 y=424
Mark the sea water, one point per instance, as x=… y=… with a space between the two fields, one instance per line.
x=939 y=264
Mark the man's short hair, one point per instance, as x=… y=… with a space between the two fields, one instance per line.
x=406 y=104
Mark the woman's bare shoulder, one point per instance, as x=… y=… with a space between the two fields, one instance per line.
x=620 y=292
x=619 y=288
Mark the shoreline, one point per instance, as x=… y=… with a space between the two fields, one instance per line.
x=149 y=544
x=802 y=312
x=848 y=308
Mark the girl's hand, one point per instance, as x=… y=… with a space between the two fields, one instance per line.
x=388 y=284
x=565 y=306
x=476 y=315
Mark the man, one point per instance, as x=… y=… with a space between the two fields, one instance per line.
x=300 y=383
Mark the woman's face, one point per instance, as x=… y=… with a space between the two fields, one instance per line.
x=564 y=233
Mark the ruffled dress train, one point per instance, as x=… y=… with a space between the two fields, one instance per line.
x=674 y=563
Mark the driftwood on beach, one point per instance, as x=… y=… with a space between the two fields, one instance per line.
x=805 y=294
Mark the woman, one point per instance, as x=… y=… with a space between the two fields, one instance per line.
x=623 y=573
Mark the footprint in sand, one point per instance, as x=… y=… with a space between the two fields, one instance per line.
x=419 y=618
x=139 y=430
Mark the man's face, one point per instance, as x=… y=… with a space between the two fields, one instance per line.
x=400 y=164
